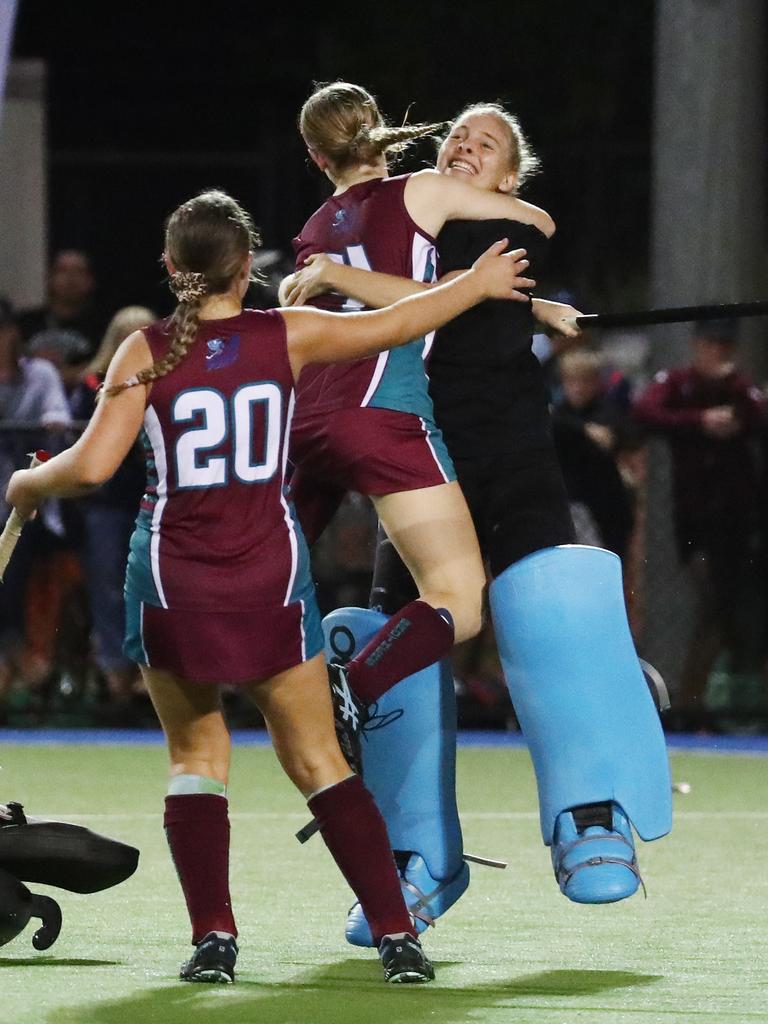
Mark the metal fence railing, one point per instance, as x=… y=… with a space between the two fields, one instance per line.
x=661 y=597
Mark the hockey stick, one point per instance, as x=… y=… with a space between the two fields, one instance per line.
x=9 y=538
x=674 y=315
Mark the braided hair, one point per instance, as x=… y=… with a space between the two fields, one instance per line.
x=206 y=239
x=343 y=122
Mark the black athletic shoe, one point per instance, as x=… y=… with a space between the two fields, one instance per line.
x=213 y=961
x=349 y=715
x=404 y=961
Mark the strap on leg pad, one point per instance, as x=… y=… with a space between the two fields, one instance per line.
x=425 y=897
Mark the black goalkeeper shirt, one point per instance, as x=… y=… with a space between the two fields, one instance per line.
x=487 y=386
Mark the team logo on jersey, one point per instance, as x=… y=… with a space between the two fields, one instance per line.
x=340 y=219
x=222 y=352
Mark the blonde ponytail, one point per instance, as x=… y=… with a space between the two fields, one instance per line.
x=343 y=122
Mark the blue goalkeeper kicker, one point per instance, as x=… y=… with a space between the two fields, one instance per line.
x=409 y=765
x=586 y=712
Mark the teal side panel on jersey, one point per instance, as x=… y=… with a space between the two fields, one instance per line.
x=303 y=578
x=409 y=765
x=304 y=590
x=579 y=693
x=435 y=437
x=139 y=580
x=133 y=641
x=404 y=384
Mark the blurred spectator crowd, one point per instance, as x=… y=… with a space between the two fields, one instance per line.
x=61 y=605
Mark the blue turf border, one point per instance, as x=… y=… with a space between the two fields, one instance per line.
x=755 y=745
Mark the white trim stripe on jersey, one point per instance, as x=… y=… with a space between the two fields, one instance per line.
x=303 y=632
x=155 y=434
x=423 y=252
x=288 y=517
x=141 y=634
x=427 y=438
x=378 y=373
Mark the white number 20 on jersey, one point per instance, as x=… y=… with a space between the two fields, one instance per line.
x=215 y=416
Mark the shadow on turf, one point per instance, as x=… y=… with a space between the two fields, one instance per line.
x=349 y=992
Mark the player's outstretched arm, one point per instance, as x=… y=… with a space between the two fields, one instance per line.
x=321 y=274
x=316 y=336
x=432 y=199
x=106 y=441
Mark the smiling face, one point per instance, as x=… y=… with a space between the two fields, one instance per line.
x=478 y=151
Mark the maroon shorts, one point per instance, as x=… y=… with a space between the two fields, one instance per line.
x=222 y=647
x=368 y=450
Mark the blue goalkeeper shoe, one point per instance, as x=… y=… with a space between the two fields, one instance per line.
x=425 y=897
x=593 y=854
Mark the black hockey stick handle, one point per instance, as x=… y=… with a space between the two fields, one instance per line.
x=673 y=315
x=9 y=538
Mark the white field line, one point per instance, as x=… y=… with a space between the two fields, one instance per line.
x=465 y=816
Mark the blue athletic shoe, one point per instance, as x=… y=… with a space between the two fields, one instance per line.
x=426 y=899
x=593 y=854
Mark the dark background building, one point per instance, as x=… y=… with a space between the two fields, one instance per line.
x=649 y=118
x=148 y=103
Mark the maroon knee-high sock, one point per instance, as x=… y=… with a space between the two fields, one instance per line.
x=197 y=829
x=415 y=637
x=355 y=833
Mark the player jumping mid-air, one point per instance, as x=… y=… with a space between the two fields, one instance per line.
x=558 y=608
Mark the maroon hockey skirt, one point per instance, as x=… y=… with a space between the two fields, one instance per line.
x=222 y=647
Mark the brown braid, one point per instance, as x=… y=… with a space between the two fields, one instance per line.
x=370 y=143
x=343 y=122
x=186 y=321
x=207 y=239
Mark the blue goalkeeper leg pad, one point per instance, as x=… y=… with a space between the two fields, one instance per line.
x=587 y=714
x=409 y=765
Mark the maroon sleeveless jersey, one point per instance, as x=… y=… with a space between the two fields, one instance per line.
x=215 y=531
x=368 y=226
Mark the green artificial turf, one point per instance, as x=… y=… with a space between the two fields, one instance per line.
x=512 y=950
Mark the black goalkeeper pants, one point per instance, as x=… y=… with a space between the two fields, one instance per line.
x=518 y=504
